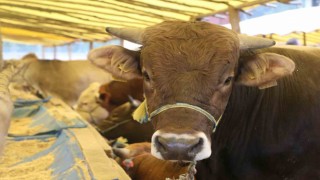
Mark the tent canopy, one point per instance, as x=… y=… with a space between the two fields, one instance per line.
x=54 y=22
x=302 y=24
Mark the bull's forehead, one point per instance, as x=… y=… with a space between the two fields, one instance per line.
x=190 y=42
x=187 y=30
x=194 y=56
x=191 y=59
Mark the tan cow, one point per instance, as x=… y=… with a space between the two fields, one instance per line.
x=89 y=108
x=62 y=79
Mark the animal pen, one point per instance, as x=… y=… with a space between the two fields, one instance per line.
x=47 y=138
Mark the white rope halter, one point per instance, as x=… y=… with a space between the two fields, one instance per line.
x=185 y=105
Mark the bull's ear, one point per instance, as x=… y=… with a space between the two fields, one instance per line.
x=263 y=70
x=120 y=62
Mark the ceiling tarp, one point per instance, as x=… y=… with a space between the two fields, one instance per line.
x=53 y=22
x=302 y=24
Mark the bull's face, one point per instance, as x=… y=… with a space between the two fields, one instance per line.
x=188 y=70
x=192 y=66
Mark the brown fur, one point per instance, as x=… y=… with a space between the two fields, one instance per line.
x=263 y=134
x=188 y=62
x=116 y=93
x=113 y=97
x=132 y=150
x=147 y=167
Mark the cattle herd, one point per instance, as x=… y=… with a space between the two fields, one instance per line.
x=210 y=103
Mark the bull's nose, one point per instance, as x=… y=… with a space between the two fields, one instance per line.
x=172 y=148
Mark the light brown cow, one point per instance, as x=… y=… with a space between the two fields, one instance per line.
x=88 y=105
x=63 y=79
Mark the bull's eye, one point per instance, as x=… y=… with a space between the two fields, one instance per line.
x=146 y=76
x=228 y=80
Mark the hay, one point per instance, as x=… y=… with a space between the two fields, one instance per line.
x=21 y=126
x=12 y=166
x=62 y=112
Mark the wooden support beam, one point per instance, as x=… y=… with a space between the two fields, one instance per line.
x=188 y=5
x=70 y=51
x=115 y=6
x=1 y=50
x=75 y=14
x=49 y=23
x=234 y=19
x=304 y=38
x=44 y=30
x=43 y=52
x=121 y=42
x=90 y=45
x=54 y=52
x=241 y=6
x=150 y=5
x=270 y=36
x=59 y=30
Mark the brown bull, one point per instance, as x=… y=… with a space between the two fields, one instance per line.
x=115 y=97
x=197 y=75
x=116 y=93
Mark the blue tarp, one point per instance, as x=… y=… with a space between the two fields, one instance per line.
x=40 y=116
x=67 y=153
x=69 y=162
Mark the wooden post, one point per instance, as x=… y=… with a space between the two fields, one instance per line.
x=43 y=49
x=234 y=19
x=270 y=36
x=1 y=50
x=90 y=45
x=304 y=38
x=121 y=42
x=69 y=51
x=54 y=52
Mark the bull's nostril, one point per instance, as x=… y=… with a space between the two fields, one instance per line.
x=196 y=147
x=102 y=97
x=161 y=144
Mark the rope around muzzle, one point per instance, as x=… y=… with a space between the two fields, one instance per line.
x=141 y=114
x=185 y=105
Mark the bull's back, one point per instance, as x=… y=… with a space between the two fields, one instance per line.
x=296 y=53
x=271 y=133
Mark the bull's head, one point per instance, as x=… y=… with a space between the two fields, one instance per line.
x=189 y=69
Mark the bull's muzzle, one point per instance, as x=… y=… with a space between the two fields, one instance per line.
x=180 y=147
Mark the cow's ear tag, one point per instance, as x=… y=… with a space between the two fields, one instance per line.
x=140 y=114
